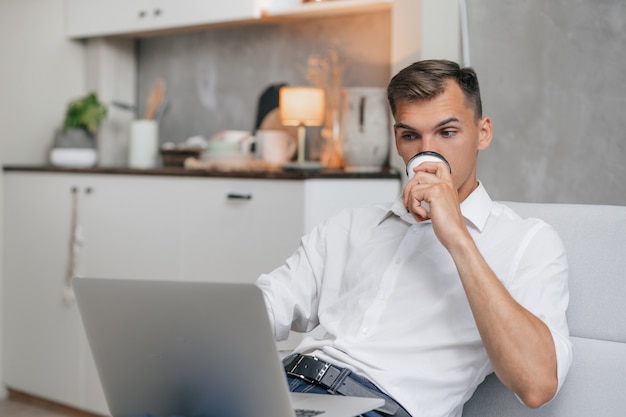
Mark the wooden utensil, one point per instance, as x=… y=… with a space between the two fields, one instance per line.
x=155 y=98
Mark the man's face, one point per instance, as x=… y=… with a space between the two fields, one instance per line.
x=444 y=124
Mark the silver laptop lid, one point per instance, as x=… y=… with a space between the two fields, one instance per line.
x=182 y=348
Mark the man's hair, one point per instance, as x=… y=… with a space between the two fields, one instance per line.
x=424 y=80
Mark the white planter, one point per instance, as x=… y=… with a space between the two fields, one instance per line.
x=73 y=148
x=74 y=157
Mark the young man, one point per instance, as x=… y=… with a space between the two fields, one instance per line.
x=420 y=305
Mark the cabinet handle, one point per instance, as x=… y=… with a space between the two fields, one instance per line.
x=157 y=12
x=75 y=189
x=142 y=14
x=238 y=196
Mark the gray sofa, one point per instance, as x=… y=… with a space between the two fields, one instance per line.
x=595 y=239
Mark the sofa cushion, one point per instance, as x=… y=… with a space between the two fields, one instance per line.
x=596 y=386
x=595 y=240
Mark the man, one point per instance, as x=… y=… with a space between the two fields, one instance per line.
x=420 y=305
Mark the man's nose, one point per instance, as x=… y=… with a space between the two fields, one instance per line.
x=428 y=143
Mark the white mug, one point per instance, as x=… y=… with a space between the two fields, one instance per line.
x=275 y=146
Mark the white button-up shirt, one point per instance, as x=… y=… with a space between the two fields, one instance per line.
x=390 y=298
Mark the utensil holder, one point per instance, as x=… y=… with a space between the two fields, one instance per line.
x=144 y=143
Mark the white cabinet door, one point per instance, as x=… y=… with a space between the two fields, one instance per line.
x=96 y=17
x=88 y=18
x=236 y=229
x=131 y=227
x=42 y=346
x=180 y=13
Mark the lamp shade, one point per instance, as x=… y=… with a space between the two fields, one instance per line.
x=301 y=106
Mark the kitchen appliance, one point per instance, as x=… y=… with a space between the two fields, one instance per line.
x=366 y=131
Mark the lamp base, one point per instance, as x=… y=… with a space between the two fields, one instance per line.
x=303 y=166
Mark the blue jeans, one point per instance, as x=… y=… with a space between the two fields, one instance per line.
x=300 y=385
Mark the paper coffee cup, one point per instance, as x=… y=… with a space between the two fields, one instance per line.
x=420 y=158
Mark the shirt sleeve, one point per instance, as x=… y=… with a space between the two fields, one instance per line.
x=292 y=290
x=539 y=284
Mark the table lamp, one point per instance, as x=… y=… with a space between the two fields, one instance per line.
x=301 y=106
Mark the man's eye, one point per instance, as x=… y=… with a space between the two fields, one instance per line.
x=408 y=136
x=448 y=133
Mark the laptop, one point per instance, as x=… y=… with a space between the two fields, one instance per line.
x=192 y=349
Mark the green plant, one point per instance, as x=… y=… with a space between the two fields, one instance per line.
x=85 y=113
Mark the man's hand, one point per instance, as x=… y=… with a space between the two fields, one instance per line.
x=433 y=184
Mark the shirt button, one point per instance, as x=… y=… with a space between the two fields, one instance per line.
x=398 y=260
x=381 y=295
x=364 y=330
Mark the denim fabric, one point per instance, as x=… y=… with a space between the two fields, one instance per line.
x=299 y=385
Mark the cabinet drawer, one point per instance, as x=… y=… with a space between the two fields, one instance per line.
x=235 y=230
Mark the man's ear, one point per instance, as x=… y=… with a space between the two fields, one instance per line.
x=484 y=133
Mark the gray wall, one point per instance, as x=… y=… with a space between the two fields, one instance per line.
x=215 y=77
x=553 y=75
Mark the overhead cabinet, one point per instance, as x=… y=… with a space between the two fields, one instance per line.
x=94 y=18
x=90 y=18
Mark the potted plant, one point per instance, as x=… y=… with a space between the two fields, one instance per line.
x=85 y=114
x=75 y=143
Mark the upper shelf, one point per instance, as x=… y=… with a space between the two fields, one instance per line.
x=137 y=18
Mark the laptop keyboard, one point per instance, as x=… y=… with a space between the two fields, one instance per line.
x=307 y=413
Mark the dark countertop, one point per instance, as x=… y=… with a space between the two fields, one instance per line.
x=174 y=171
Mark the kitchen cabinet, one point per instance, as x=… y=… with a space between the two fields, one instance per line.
x=41 y=334
x=45 y=349
x=130 y=227
x=93 y=18
x=145 y=227
x=90 y=18
x=256 y=222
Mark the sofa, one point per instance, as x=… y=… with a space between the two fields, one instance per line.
x=595 y=240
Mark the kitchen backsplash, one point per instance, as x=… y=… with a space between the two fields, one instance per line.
x=215 y=77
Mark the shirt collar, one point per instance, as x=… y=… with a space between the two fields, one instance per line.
x=475 y=209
